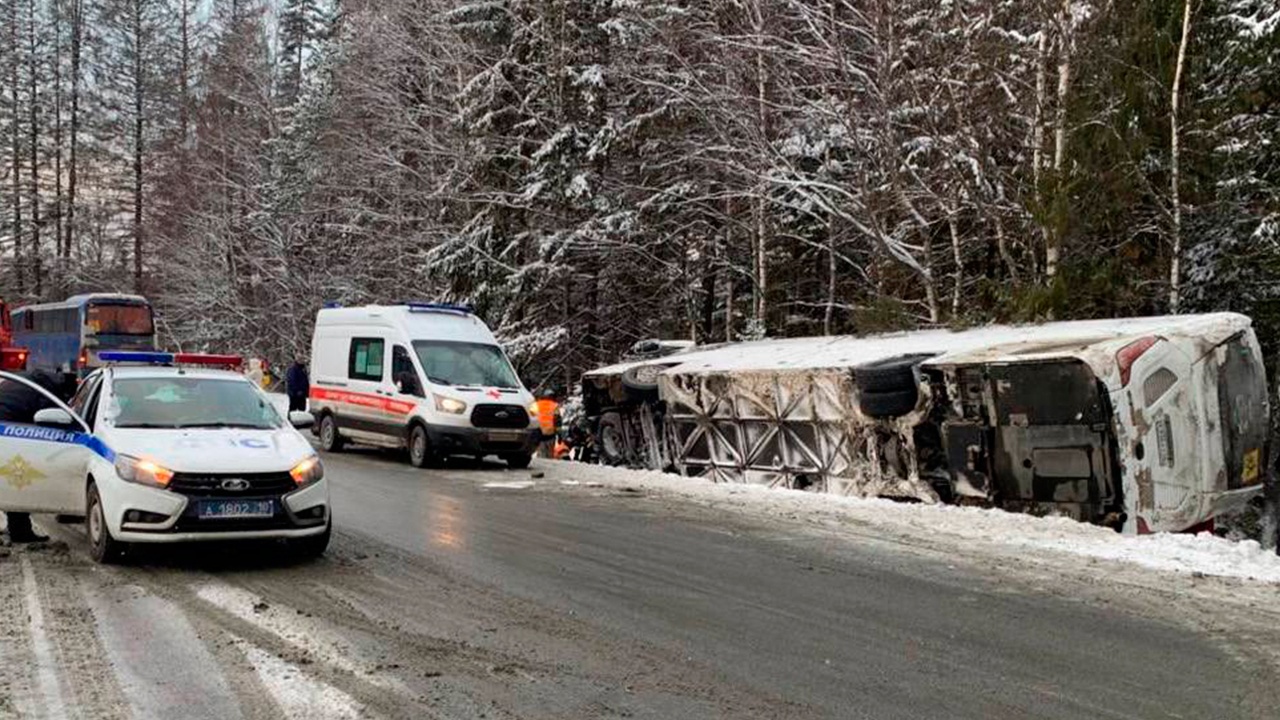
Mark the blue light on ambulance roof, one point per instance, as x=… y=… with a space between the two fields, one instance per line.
x=438 y=307
x=137 y=357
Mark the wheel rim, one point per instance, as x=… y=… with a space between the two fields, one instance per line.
x=95 y=522
x=418 y=447
x=610 y=443
x=326 y=432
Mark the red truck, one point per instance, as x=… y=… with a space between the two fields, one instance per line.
x=12 y=359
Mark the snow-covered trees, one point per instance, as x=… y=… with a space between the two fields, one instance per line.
x=587 y=172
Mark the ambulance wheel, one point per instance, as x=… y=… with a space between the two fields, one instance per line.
x=518 y=461
x=420 y=448
x=312 y=546
x=102 y=547
x=330 y=438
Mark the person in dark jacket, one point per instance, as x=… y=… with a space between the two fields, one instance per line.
x=19 y=403
x=297 y=385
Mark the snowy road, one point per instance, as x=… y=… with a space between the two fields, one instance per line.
x=469 y=593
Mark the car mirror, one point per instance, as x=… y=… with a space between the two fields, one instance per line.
x=54 y=417
x=301 y=419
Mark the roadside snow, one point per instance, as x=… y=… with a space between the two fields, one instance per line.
x=1203 y=554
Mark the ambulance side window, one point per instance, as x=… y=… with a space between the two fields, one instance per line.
x=365 y=360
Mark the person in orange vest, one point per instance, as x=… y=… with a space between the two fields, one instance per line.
x=549 y=420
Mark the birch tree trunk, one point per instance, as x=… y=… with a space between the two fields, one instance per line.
x=958 y=257
x=1053 y=252
x=1175 y=262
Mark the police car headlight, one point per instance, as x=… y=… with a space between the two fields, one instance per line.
x=142 y=471
x=307 y=471
x=450 y=405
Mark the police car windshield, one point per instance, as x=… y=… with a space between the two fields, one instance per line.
x=183 y=402
x=460 y=363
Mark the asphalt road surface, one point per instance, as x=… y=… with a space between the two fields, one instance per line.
x=466 y=593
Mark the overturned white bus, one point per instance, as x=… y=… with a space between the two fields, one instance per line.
x=1141 y=424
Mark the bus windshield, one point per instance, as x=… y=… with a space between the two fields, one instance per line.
x=116 y=319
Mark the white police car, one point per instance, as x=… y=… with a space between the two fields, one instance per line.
x=165 y=450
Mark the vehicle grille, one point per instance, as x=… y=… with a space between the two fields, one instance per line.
x=210 y=485
x=499 y=416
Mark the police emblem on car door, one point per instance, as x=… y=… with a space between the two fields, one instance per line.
x=43 y=464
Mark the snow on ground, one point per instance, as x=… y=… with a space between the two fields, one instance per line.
x=1203 y=554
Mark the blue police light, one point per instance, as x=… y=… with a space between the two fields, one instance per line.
x=154 y=358
x=425 y=307
x=332 y=305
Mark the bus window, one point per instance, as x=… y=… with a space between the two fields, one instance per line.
x=107 y=319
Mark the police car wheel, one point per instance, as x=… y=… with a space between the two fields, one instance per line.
x=102 y=547
x=313 y=546
x=419 y=447
x=330 y=439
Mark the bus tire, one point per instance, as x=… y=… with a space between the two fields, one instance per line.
x=889 y=404
x=330 y=439
x=894 y=374
x=612 y=440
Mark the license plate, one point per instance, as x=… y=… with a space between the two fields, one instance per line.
x=236 y=509
x=506 y=435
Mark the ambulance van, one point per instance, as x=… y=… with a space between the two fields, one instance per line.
x=426 y=377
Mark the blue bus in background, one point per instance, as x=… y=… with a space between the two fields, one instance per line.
x=67 y=336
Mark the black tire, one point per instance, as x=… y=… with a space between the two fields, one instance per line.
x=103 y=548
x=890 y=404
x=611 y=440
x=330 y=439
x=419 y=447
x=312 y=546
x=889 y=375
x=518 y=461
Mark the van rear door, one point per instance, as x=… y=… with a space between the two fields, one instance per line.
x=1162 y=458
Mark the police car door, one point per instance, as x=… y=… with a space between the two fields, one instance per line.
x=42 y=469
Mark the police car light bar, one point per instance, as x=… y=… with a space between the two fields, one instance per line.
x=133 y=356
x=231 y=361
x=164 y=358
x=425 y=307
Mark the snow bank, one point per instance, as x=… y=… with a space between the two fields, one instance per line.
x=1203 y=554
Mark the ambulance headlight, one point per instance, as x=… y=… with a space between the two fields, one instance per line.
x=307 y=471
x=142 y=471
x=450 y=405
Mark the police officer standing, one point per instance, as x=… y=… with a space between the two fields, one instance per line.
x=19 y=403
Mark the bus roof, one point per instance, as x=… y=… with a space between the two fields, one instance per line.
x=85 y=298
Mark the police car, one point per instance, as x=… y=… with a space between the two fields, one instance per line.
x=166 y=448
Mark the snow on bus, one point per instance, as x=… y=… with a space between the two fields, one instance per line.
x=1139 y=424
